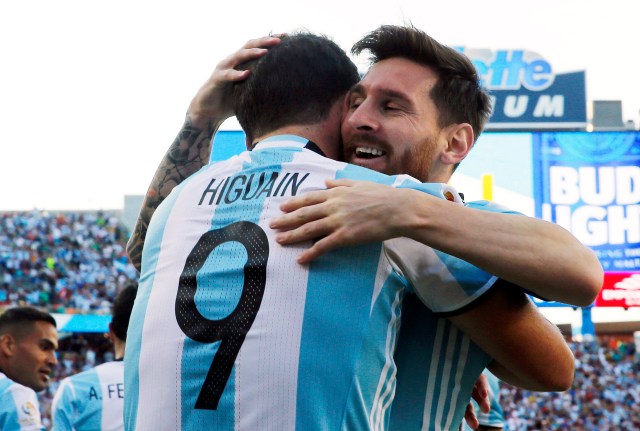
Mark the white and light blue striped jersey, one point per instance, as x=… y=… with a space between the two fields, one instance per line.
x=19 y=409
x=495 y=417
x=437 y=367
x=91 y=401
x=228 y=332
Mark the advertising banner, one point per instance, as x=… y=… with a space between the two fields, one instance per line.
x=526 y=92
x=621 y=289
x=589 y=183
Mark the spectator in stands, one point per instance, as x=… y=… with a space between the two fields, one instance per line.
x=66 y=261
x=605 y=394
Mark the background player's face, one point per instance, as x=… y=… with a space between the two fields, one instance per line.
x=35 y=356
x=391 y=123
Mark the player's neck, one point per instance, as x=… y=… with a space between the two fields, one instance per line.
x=325 y=134
x=118 y=348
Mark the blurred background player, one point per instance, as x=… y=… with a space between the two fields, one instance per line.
x=94 y=399
x=28 y=343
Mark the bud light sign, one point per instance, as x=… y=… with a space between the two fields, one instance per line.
x=589 y=183
x=526 y=93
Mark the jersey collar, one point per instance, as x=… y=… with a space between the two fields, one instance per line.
x=289 y=141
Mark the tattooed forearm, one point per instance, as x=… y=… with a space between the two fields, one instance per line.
x=189 y=152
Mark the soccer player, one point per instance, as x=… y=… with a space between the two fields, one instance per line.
x=419 y=110
x=28 y=343
x=227 y=332
x=94 y=399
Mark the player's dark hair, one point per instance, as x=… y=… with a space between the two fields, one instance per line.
x=121 y=314
x=457 y=93
x=296 y=83
x=17 y=320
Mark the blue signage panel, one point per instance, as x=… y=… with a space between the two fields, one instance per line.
x=589 y=183
x=527 y=94
x=562 y=105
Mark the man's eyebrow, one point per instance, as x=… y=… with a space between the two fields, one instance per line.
x=357 y=88
x=393 y=94
x=48 y=343
x=387 y=92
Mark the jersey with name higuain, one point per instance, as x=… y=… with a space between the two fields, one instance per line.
x=228 y=332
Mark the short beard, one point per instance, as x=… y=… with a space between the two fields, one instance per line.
x=418 y=161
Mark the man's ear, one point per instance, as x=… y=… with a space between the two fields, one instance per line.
x=112 y=334
x=460 y=140
x=7 y=344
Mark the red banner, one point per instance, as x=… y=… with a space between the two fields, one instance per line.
x=620 y=289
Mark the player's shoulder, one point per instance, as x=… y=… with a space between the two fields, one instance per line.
x=8 y=386
x=20 y=397
x=111 y=367
x=79 y=379
x=354 y=172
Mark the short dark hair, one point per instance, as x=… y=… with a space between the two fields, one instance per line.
x=15 y=320
x=297 y=82
x=121 y=314
x=457 y=94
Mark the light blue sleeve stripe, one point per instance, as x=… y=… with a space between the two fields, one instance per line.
x=472 y=280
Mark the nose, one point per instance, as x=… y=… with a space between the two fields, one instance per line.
x=363 y=118
x=52 y=359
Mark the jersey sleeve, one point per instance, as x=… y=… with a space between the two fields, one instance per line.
x=443 y=282
x=439 y=190
x=62 y=407
x=19 y=409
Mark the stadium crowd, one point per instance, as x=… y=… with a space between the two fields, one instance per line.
x=76 y=263
x=64 y=262
x=605 y=395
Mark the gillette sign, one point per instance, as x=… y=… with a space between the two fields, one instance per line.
x=589 y=183
x=526 y=93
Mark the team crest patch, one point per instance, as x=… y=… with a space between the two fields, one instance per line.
x=449 y=196
x=30 y=414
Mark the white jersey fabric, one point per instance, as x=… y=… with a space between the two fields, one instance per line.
x=438 y=367
x=19 y=409
x=91 y=401
x=228 y=332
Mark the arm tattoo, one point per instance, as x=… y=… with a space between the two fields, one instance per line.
x=189 y=152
